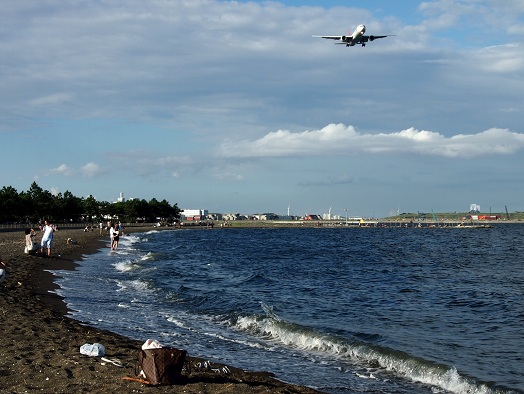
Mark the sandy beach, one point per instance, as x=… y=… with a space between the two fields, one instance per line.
x=39 y=345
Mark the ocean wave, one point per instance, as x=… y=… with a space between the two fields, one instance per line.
x=361 y=354
x=126 y=266
x=211 y=327
x=135 y=262
x=151 y=256
x=138 y=285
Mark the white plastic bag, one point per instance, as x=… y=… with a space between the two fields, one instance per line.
x=93 y=349
x=151 y=344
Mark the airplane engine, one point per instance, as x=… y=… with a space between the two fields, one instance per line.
x=344 y=38
x=371 y=38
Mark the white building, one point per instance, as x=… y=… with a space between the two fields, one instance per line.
x=474 y=208
x=190 y=213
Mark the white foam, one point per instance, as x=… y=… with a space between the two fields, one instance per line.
x=125 y=266
x=291 y=335
x=183 y=323
x=149 y=256
x=137 y=284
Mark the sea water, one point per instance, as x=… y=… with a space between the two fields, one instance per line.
x=343 y=310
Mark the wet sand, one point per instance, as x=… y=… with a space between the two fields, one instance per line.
x=39 y=345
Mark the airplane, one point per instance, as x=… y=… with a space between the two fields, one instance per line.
x=357 y=37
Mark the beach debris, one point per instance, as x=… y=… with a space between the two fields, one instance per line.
x=113 y=361
x=224 y=370
x=151 y=344
x=207 y=365
x=93 y=349
x=204 y=365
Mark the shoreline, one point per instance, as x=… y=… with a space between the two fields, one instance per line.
x=40 y=344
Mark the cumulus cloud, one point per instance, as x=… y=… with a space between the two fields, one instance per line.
x=499 y=59
x=88 y=170
x=62 y=169
x=91 y=170
x=339 y=139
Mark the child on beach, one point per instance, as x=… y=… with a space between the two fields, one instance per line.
x=30 y=246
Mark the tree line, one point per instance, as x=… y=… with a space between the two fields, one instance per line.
x=37 y=204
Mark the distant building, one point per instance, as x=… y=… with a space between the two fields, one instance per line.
x=474 y=208
x=214 y=216
x=265 y=216
x=121 y=198
x=234 y=216
x=194 y=214
x=312 y=217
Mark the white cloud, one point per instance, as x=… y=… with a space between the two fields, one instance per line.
x=91 y=170
x=338 y=139
x=52 y=99
x=63 y=169
x=222 y=176
x=156 y=86
x=500 y=59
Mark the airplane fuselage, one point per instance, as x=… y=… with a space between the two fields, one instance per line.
x=354 y=38
x=357 y=37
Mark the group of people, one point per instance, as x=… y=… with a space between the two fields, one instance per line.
x=115 y=232
x=31 y=247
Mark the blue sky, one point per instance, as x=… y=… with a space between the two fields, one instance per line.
x=235 y=107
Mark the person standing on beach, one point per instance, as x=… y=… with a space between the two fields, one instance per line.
x=2 y=270
x=47 y=238
x=115 y=236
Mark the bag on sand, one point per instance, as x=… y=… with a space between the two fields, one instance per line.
x=162 y=365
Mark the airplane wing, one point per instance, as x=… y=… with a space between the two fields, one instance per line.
x=330 y=37
x=350 y=41
x=370 y=38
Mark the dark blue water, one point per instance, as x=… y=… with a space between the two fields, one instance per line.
x=375 y=310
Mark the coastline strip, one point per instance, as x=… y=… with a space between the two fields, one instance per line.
x=40 y=345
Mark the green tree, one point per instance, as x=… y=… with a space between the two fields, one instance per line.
x=70 y=207
x=40 y=202
x=10 y=205
x=131 y=209
x=91 y=207
x=154 y=209
x=144 y=210
x=117 y=210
